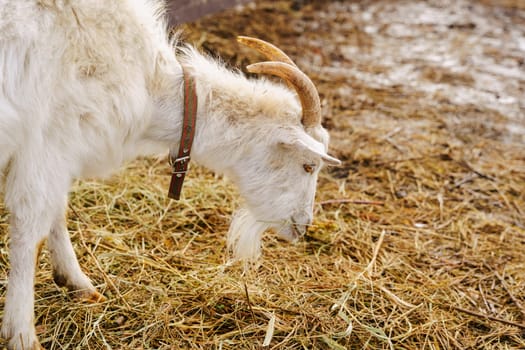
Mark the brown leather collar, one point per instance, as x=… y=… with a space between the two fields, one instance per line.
x=179 y=164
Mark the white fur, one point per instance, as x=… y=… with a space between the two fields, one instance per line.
x=245 y=233
x=86 y=85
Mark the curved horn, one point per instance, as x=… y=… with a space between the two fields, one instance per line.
x=272 y=52
x=303 y=85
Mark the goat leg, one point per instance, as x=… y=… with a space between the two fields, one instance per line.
x=66 y=269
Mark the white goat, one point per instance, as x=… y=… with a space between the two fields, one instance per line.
x=86 y=85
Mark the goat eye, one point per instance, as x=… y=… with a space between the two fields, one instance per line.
x=309 y=168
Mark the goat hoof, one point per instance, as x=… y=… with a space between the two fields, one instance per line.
x=21 y=342
x=19 y=332
x=35 y=346
x=90 y=296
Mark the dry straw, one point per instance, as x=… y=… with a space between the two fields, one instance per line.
x=418 y=241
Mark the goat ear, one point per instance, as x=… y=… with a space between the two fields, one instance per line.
x=306 y=143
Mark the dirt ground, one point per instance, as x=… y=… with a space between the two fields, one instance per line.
x=419 y=237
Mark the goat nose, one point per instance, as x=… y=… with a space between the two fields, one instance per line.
x=309 y=219
x=303 y=218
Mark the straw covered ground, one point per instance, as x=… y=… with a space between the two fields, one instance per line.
x=419 y=238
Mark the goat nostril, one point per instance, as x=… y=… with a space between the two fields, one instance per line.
x=303 y=219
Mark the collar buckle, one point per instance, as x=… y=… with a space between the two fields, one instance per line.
x=179 y=165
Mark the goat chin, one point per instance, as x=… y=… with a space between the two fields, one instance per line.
x=245 y=235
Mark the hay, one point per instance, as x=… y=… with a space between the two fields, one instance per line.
x=418 y=241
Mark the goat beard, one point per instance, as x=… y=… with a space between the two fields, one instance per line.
x=245 y=235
